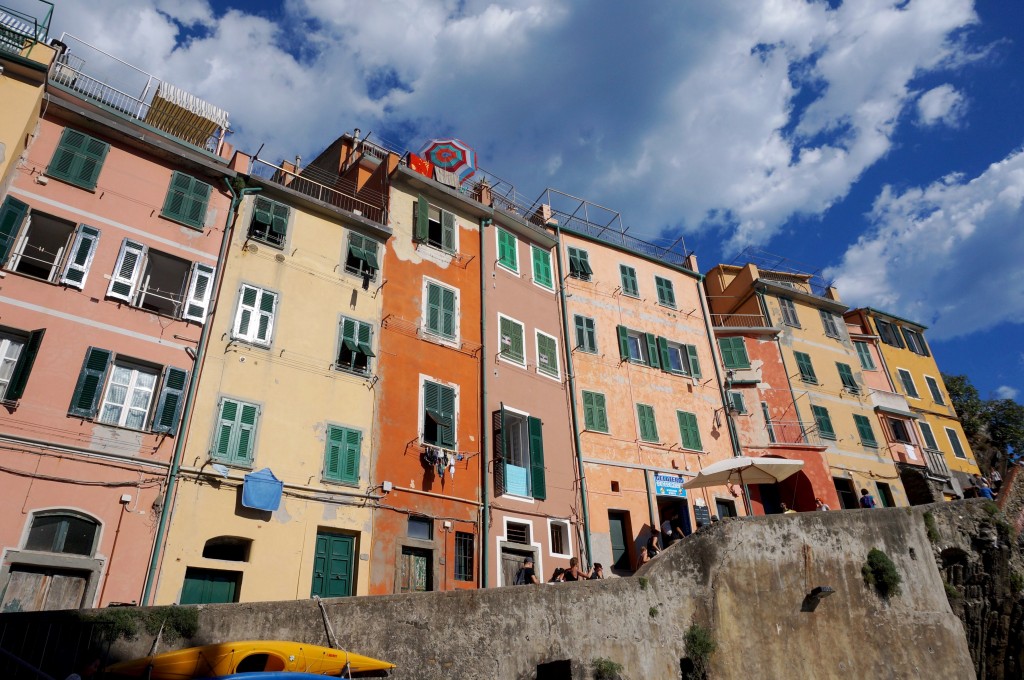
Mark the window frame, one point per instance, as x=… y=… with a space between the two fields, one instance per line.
x=539 y=255
x=647 y=433
x=447 y=223
x=803 y=360
x=579 y=264
x=513 y=266
x=273 y=211
x=935 y=390
x=565 y=528
x=73 y=157
x=131 y=389
x=582 y=328
x=557 y=375
x=627 y=276
x=61 y=534
x=28 y=344
x=907 y=381
x=735 y=342
x=888 y=333
x=348 y=460
x=867 y=362
x=367 y=270
x=955 y=444
x=790 y=317
x=423 y=415
x=233 y=457
x=465 y=568
x=737 y=401
x=368 y=353
x=666 y=291
x=865 y=432
x=847 y=378
x=915 y=341
x=438 y=335
x=928 y=436
x=686 y=440
x=600 y=412
x=256 y=312
x=829 y=325
x=193 y=194
x=894 y=425
x=823 y=422
x=644 y=351
x=521 y=361
x=531 y=452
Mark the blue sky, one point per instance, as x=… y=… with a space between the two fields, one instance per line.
x=879 y=141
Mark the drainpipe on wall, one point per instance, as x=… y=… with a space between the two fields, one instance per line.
x=571 y=373
x=485 y=524
x=186 y=411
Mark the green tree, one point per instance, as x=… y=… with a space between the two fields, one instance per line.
x=1005 y=425
x=967 y=402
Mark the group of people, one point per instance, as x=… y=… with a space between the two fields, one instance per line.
x=527 y=575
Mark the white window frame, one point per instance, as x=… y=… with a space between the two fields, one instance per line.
x=525 y=450
x=903 y=383
x=936 y=393
x=632 y=334
x=557 y=377
x=952 y=436
x=568 y=538
x=423 y=378
x=130 y=389
x=533 y=546
x=8 y=356
x=501 y=343
x=497 y=251
x=250 y=337
x=426 y=332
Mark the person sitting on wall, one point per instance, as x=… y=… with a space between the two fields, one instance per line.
x=866 y=499
x=821 y=505
x=786 y=510
x=598 y=572
x=558 y=576
x=574 y=573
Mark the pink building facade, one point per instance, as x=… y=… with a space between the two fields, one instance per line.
x=109 y=245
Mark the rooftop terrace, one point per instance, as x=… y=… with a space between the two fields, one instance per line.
x=21 y=27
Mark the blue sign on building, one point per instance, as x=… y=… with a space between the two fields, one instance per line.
x=669 y=485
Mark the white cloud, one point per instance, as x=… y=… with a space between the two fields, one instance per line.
x=736 y=115
x=942 y=104
x=1006 y=392
x=947 y=255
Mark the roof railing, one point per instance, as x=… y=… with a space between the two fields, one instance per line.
x=339 y=196
x=19 y=29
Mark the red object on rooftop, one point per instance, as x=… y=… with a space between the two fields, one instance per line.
x=453 y=155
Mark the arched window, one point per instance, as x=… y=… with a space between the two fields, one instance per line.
x=63 y=532
x=231 y=548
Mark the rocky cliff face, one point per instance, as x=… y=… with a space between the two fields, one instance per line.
x=742 y=588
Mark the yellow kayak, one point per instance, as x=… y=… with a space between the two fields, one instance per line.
x=212 y=661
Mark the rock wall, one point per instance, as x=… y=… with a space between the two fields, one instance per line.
x=746 y=580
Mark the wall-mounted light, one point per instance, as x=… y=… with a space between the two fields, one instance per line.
x=813 y=598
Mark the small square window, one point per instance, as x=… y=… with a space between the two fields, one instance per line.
x=559 y=538
x=421 y=528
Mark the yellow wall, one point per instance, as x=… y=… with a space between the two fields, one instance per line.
x=846 y=455
x=300 y=395
x=19 y=113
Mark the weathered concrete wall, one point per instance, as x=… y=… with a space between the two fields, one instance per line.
x=746 y=579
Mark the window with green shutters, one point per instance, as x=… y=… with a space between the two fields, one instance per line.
x=17 y=356
x=355 y=346
x=630 y=286
x=91 y=379
x=438 y=414
x=889 y=333
x=439 y=312
x=508 y=250
x=867 y=362
x=542 y=267
x=361 y=257
x=908 y=383
x=547 y=355
x=595 y=415
x=929 y=437
x=915 y=342
x=187 y=200
x=269 y=221
x=867 y=434
x=736 y=402
x=688 y=432
x=236 y=432
x=648 y=426
x=12 y=214
x=846 y=376
x=933 y=387
x=586 y=335
x=434 y=226
x=254 y=319
x=828 y=323
x=824 y=422
x=954 y=441
x=579 y=264
x=78 y=159
x=341 y=459
x=734 y=352
x=666 y=292
x=510 y=338
x=803 y=362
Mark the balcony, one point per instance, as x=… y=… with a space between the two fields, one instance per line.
x=791 y=432
x=739 y=321
x=20 y=30
x=890 y=402
x=936 y=463
x=324 y=187
x=129 y=91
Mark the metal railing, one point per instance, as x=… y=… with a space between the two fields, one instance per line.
x=936 y=463
x=342 y=195
x=790 y=432
x=18 y=29
x=739 y=321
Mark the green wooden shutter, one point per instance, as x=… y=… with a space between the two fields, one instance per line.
x=589 y=417
x=623 y=343
x=447 y=400
x=421 y=219
x=574 y=262
x=517 y=351
x=581 y=332
x=86 y=397
x=186 y=200
x=824 y=422
x=350 y=460
x=736 y=399
x=364 y=339
x=23 y=367
x=168 y=409
x=279 y=214
x=447 y=231
x=846 y=376
x=867 y=434
x=499 y=446
x=864 y=353
x=433 y=308
x=432 y=409
x=547 y=355
x=538 y=487
x=652 y=351
x=600 y=413
x=585 y=264
x=542 y=267
x=666 y=294
x=78 y=159
x=734 y=353
x=929 y=437
x=334 y=453
x=448 y=312
x=691 y=357
x=226 y=425
x=629 y=282
x=666 y=358
x=268 y=306
x=803 y=362
x=508 y=255
x=648 y=426
x=688 y=431
x=12 y=213
x=246 y=433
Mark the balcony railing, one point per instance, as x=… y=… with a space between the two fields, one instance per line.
x=19 y=29
x=342 y=193
x=116 y=84
x=936 y=463
x=790 y=432
x=738 y=321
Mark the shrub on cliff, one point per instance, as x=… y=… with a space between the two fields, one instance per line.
x=880 y=573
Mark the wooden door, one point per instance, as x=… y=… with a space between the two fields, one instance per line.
x=33 y=590
x=209 y=586
x=416 y=570
x=618 y=529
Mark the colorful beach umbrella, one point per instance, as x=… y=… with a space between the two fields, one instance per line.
x=453 y=155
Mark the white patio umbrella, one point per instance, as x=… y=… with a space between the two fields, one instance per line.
x=745 y=470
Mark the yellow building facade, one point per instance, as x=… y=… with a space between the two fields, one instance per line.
x=830 y=397
x=287 y=385
x=916 y=375
x=21 y=91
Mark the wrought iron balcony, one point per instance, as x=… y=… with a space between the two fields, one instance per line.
x=791 y=432
x=936 y=463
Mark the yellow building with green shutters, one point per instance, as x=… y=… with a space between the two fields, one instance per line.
x=287 y=386
x=916 y=375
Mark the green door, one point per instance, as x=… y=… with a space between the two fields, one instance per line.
x=618 y=528
x=332 y=565
x=209 y=586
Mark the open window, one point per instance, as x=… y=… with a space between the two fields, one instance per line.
x=18 y=352
x=519 y=455
x=354 y=346
x=434 y=226
x=269 y=223
x=361 y=256
x=161 y=283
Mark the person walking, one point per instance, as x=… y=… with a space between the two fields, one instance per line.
x=526 y=576
x=866 y=499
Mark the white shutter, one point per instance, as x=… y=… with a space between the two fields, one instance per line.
x=247 y=303
x=265 y=325
x=126 y=271
x=83 y=249
x=200 y=288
